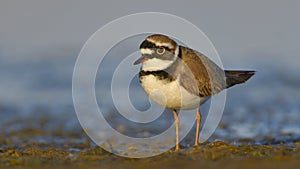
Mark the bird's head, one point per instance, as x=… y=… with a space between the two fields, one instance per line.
x=158 y=53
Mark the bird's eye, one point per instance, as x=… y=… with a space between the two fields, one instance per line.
x=160 y=50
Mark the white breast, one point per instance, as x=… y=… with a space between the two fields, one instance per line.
x=169 y=94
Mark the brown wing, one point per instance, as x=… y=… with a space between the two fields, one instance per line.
x=210 y=78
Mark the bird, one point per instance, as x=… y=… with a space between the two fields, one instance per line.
x=180 y=78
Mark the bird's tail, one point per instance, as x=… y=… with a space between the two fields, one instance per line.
x=234 y=77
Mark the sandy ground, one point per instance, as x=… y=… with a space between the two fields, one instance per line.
x=77 y=151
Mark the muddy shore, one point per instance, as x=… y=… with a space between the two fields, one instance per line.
x=78 y=151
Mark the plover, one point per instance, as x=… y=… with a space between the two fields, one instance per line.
x=180 y=78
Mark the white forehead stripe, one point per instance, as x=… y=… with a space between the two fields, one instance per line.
x=146 y=51
x=169 y=45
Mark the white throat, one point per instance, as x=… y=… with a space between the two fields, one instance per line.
x=155 y=64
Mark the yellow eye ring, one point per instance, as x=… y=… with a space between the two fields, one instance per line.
x=160 y=50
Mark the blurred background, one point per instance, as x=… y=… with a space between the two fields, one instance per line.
x=40 y=41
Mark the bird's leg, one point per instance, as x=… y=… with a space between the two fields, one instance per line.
x=176 y=119
x=198 y=121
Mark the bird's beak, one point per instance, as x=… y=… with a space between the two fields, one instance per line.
x=140 y=60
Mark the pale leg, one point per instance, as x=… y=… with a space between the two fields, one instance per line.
x=176 y=119
x=198 y=121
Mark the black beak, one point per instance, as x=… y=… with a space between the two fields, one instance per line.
x=140 y=60
x=144 y=44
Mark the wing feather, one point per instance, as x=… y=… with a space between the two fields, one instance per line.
x=209 y=77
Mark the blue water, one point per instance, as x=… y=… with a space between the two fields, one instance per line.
x=267 y=106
